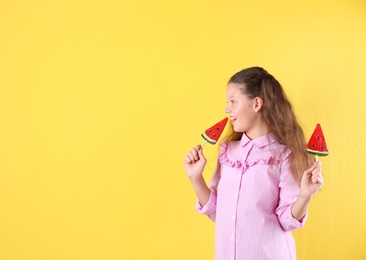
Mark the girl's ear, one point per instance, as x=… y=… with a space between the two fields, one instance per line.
x=258 y=103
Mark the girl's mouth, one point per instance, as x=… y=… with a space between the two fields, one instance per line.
x=233 y=119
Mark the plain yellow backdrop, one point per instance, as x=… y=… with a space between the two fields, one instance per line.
x=101 y=100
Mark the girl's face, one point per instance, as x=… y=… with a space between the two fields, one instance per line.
x=243 y=111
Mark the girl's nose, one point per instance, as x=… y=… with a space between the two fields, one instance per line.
x=227 y=109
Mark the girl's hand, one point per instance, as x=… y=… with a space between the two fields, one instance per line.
x=312 y=180
x=195 y=162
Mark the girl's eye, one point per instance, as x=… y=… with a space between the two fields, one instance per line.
x=231 y=102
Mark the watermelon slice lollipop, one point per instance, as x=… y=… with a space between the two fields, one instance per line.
x=213 y=133
x=317 y=144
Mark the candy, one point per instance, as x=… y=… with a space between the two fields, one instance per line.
x=213 y=133
x=317 y=144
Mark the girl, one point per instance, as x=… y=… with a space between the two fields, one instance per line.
x=259 y=191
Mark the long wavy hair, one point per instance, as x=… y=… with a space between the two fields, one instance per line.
x=278 y=114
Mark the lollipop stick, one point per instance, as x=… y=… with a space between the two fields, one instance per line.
x=316 y=157
x=204 y=143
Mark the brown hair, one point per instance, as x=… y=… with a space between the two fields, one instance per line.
x=278 y=114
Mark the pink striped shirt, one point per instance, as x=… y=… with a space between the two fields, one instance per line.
x=251 y=197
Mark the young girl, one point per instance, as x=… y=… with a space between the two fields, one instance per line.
x=260 y=190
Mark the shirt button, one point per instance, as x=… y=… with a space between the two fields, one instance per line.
x=235 y=195
x=232 y=217
x=232 y=237
x=231 y=258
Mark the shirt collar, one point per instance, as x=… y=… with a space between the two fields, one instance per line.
x=259 y=142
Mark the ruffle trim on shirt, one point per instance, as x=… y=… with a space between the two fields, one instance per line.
x=226 y=160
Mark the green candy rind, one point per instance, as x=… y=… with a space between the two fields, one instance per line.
x=317 y=152
x=208 y=139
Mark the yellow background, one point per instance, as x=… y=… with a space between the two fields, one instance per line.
x=101 y=100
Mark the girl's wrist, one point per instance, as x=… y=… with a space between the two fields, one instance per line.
x=305 y=196
x=196 y=178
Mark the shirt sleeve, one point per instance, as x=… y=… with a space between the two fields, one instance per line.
x=288 y=193
x=210 y=208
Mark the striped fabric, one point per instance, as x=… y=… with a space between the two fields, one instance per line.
x=252 y=192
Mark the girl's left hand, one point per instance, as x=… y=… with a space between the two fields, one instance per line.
x=312 y=180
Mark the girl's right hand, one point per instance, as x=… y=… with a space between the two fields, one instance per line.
x=195 y=162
